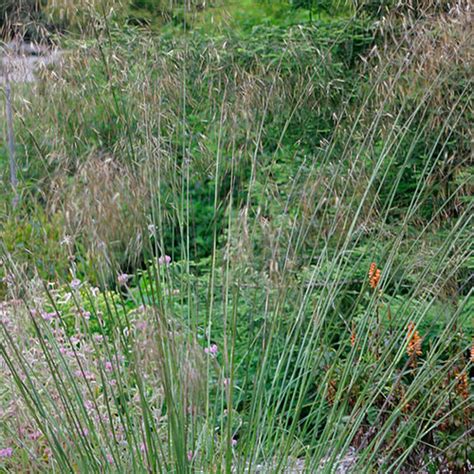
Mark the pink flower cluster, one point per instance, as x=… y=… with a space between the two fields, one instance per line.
x=35 y=435
x=92 y=359
x=48 y=316
x=211 y=350
x=164 y=260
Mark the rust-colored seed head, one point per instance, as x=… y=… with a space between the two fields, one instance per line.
x=353 y=335
x=406 y=407
x=472 y=352
x=374 y=275
x=353 y=338
x=373 y=267
x=414 y=341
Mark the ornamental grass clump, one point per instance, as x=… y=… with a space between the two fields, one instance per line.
x=218 y=261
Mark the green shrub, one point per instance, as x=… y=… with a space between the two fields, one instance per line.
x=34 y=241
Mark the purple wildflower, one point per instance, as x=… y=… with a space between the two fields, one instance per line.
x=35 y=435
x=141 y=325
x=48 y=316
x=211 y=350
x=88 y=405
x=85 y=314
x=87 y=375
x=76 y=284
x=6 y=452
x=122 y=278
x=164 y=260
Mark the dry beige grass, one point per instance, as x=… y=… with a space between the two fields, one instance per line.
x=104 y=205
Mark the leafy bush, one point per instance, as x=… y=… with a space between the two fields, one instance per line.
x=35 y=243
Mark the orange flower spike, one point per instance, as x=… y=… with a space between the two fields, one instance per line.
x=376 y=278
x=374 y=275
x=353 y=338
x=372 y=269
x=414 y=341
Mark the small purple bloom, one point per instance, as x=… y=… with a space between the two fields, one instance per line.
x=141 y=325
x=164 y=260
x=6 y=321
x=76 y=284
x=6 y=452
x=85 y=314
x=190 y=456
x=35 y=435
x=122 y=278
x=87 y=375
x=212 y=350
x=48 y=316
x=108 y=366
x=88 y=405
x=234 y=442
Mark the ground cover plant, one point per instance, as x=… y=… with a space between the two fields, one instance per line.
x=242 y=240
